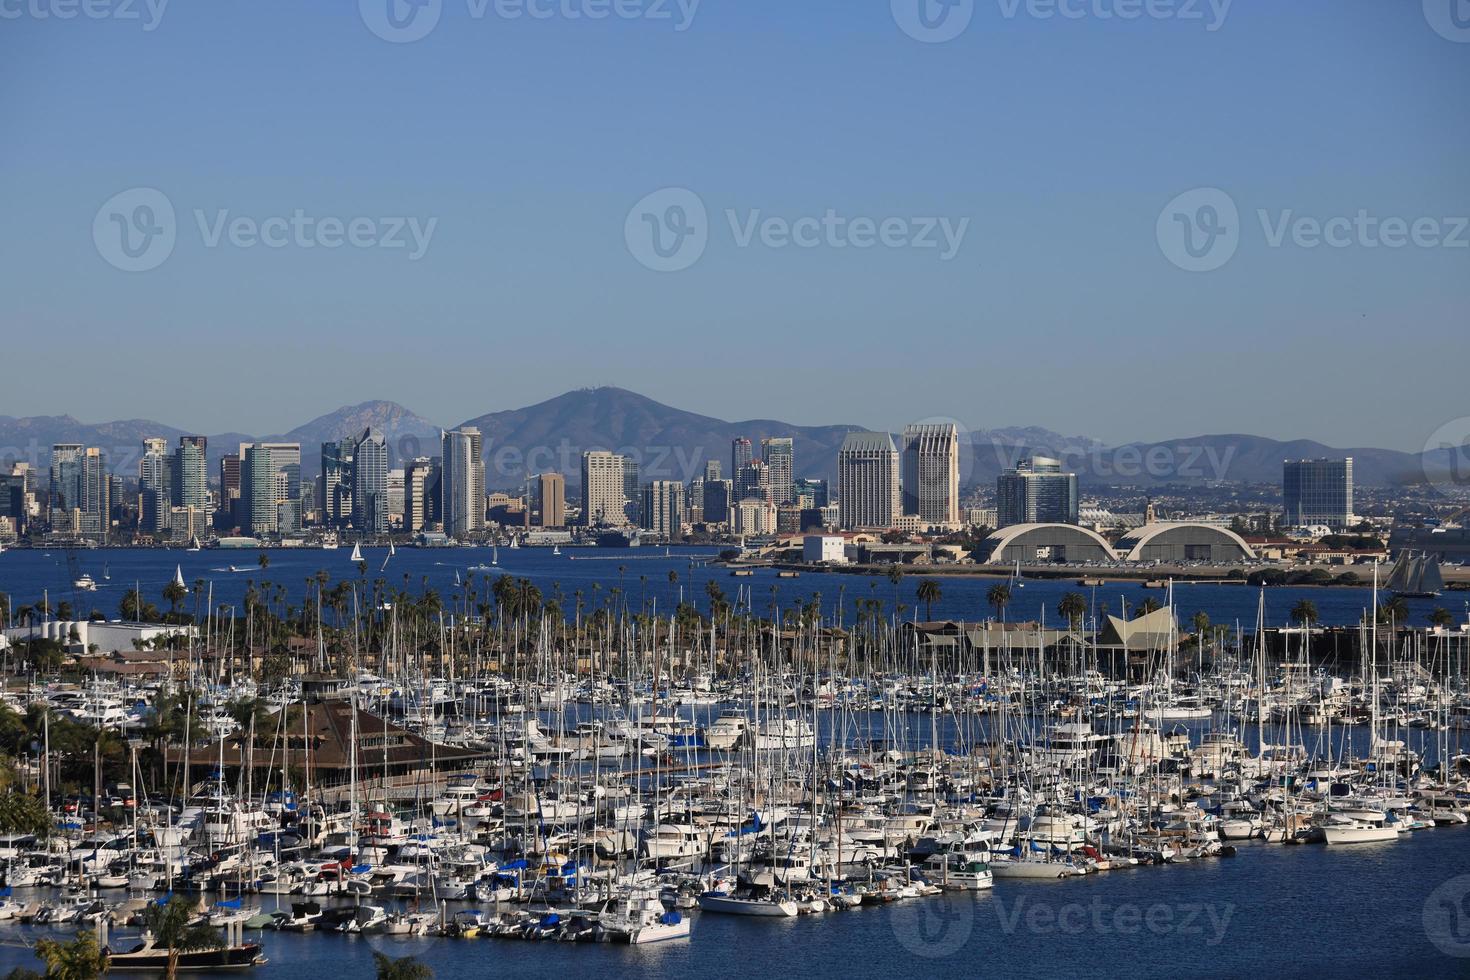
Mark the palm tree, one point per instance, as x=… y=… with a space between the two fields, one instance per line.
x=172 y=925
x=1442 y=618
x=999 y=597
x=1304 y=612
x=1073 y=609
x=1149 y=605
x=264 y=561
x=406 y=968
x=929 y=593
x=80 y=959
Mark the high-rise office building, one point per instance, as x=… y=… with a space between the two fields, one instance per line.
x=718 y=496
x=190 y=482
x=740 y=455
x=421 y=495
x=663 y=509
x=270 y=488
x=334 y=489
x=931 y=473
x=549 y=491
x=395 y=497
x=229 y=490
x=603 y=496
x=1318 y=491
x=462 y=483
x=711 y=470
x=632 y=497
x=1037 y=491
x=755 y=517
x=80 y=497
x=868 y=480
x=370 y=483
x=155 y=478
x=694 y=501
x=753 y=481
x=780 y=459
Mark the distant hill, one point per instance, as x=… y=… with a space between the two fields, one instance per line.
x=671 y=443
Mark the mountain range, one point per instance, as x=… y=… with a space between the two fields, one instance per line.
x=674 y=444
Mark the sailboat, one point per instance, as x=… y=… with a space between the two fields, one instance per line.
x=356 y=552
x=556 y=549
x=179 y=576
x=106 y=572
x=495 y=554
x=194 y=543
x=388 y=556
x=1416 y=576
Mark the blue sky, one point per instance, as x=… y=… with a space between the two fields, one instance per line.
x=1056 y=141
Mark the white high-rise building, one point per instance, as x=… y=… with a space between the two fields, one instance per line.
x=603 y=498
x=462 y=483
x=780 y=461
x=868 y=480
x=931 y=473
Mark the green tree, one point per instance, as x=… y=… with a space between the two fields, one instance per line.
x=929 y=593
x=999 y=597
x=1442 y=618
x=1149 y=605
x=1073 y=609
x=78 y=959
x=21 y=813
x=1304 y=613
x=404 y=968
x=173 y=927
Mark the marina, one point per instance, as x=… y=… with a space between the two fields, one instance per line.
x=427 y=770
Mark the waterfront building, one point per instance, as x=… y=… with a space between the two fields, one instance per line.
x=270 y=488
x=462 y=483
x=189 y=482
x=550 y=495
x=1037 y=491
x=1318 y=491
x=603 y=499
x=632 y=498
x=229 y=490
x=421 y=495
x=868 y=480
x=80 y=497
x=663 y=509
x=155 y=478
x=931 y=474
x=718 y=496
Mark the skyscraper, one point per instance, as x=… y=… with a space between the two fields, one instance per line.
x=718 y=496
x=931 y=473
x=270 y=488
x=663 y=508
x=190 y=486
x=550 y=494
x=229 y=490
x=780 y=458
x=603 y=501
x=868 y=480
x=80 y=497
x=155 y=477
x=740 y=454
x=462 y=482
x=334 y=489
x=711 y=470
x=753 y=481
x=632 y=499
x=370 y=483
x=420 y=494
x=1037 y=491
x=1318 y=491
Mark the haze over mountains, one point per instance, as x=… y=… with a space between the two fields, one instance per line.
x=674 y=444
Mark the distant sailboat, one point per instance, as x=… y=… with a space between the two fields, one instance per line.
x=357 y=552
x=194 y=543
x=1416 y=576
x=495 y=554
x=178 y=576
x=106 y=571
x=388 y=556
x=556 y=549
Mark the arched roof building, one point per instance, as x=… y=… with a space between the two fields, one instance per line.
x=1029 y=543
x=1184 y=542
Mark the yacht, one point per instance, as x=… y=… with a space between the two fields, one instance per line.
x=639 y=915
x=85 y=583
